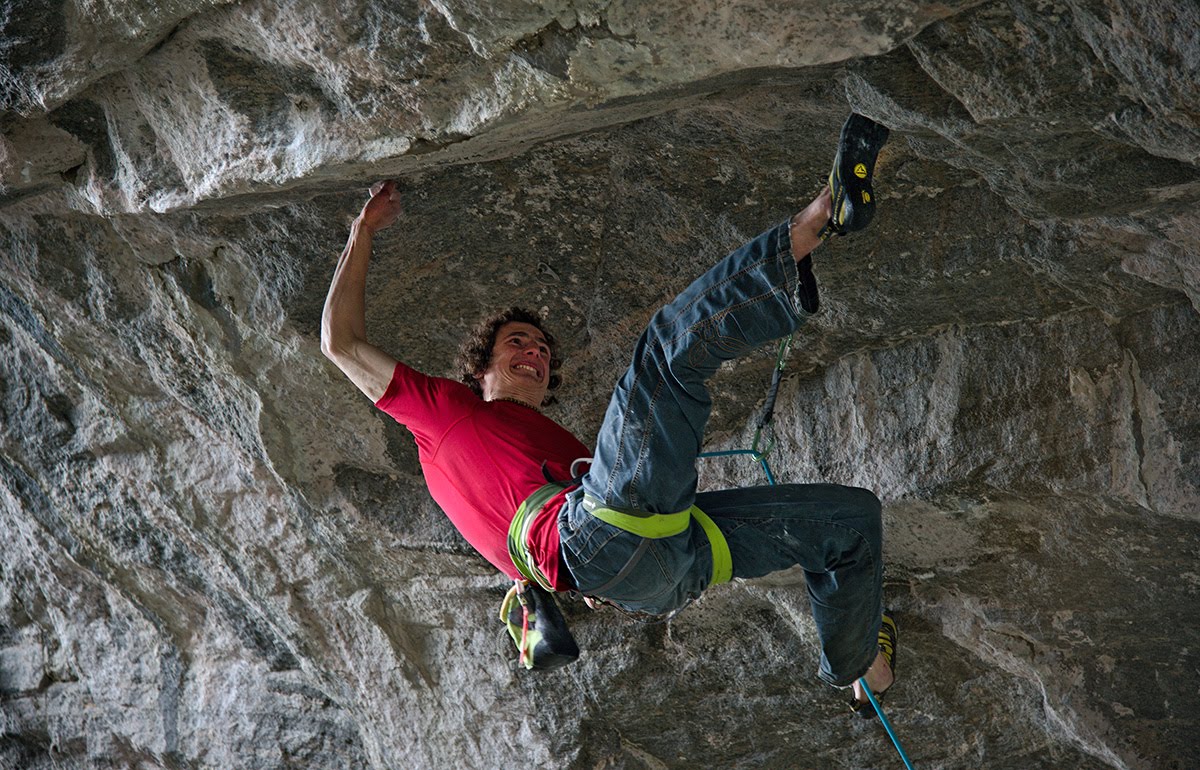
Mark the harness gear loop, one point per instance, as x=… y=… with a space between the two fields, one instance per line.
x=539 y=630
x=576 y=463
x=516 y=594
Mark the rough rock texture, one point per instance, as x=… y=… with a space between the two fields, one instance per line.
x=217 y=554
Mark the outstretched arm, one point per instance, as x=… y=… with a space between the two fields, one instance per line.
x=344 y=321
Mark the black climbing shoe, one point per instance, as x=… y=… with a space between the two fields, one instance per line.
x=889 y=634
x=850 y=179
x=538 y=628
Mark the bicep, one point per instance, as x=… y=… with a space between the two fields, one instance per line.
x=368 y=367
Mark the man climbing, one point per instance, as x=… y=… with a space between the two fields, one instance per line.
x=632 y=530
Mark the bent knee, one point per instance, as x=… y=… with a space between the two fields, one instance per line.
x=866 y=501
x=863 y=511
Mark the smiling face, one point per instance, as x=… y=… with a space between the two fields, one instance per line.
x=520 y=365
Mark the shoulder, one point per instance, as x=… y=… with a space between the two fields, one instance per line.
x=411 y=391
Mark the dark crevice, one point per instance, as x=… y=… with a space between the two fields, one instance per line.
x=422 y=146
x=165 y=39
x=71 y=175
x=1139 y=431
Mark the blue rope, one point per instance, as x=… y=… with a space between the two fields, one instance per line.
x=728 y=453
x=886 y=724
x=761 y=457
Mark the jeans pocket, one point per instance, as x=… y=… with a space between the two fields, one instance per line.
x=657 y=576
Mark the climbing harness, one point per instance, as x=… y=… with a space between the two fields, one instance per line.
x=759 y=454
x=659 y=525
x=518 y=533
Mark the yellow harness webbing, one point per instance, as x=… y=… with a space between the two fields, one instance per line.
x=518 y=534
x=722 y=559
x=660 y=525
x=640 y=523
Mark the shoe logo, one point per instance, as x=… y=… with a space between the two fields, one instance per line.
x=860 y=170
x=866 y=197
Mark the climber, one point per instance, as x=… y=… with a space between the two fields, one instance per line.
x=632 y=530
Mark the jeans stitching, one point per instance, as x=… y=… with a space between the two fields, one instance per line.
x=877 y=593
x=665 y=573
x=858 y=534
x=626 y=569
x=643 y=445
x=710 y=290
x=597 y=549
x=773 y=249
x=716 y=318
x=620 y=448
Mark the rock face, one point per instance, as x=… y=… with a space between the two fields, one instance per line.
x=217 y=554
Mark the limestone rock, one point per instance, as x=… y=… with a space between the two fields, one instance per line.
x=217 y=554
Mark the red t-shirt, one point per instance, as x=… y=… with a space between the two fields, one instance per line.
x=481 y=459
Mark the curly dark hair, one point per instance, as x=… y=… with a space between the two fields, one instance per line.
x=475 y=353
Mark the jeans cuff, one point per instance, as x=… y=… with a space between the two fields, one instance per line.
x=800 y=285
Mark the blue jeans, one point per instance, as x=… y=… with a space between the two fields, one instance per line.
x=646 y=460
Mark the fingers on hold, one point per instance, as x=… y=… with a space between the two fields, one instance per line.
x=386 y=187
